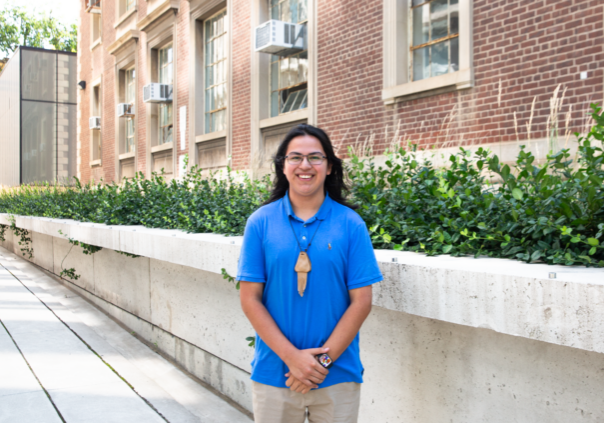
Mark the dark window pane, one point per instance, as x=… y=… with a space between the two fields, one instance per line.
x=440 y=58
x=421 y=25
x=439 y=18
x=274 y=103
x=421 y=64
x=454 y=19
x=299 y=100
x=454 y=55
x=287 y=107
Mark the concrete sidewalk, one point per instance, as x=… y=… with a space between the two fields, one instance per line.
x=63 y=360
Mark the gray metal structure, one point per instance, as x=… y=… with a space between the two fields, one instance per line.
x=38 y=117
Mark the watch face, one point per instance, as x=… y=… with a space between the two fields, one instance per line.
x=325 y=360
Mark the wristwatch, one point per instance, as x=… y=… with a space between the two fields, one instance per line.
x=324 y=360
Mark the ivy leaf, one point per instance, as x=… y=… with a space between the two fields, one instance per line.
x=517 y=194
x=593 y=242
x=447 y=248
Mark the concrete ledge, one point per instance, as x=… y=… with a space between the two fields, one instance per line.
x=448 y=338
x=505 y=296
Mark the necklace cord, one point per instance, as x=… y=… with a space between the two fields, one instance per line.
x=296 y=236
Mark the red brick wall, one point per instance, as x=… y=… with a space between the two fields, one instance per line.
x=182 y=74
x=241 y=50
x=532 y=47
x=84 y=97
x=108 y=119
x=142 y=79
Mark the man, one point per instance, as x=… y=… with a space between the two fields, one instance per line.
x=306 y=270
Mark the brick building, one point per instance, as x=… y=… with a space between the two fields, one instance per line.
x=442 y=73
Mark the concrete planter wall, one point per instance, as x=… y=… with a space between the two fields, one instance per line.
x=449 y=339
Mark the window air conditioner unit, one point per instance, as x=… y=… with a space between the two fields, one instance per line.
x=278 y=37
x=157 y=93
x=125 y=110
x=94 y=122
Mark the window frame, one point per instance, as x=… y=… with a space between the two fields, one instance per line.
x=96 y=135
x=397 y=76
x=207 y=127
x=167 y=107
x=130 y=119
x=96 y=23
x=300 y=86
x=123 y=10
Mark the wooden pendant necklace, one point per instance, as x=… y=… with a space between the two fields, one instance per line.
x=303 y=264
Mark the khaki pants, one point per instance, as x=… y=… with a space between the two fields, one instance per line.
x=334 y=404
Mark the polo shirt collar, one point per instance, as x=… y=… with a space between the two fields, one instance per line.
x=321 y=214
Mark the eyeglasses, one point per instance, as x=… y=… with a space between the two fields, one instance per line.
x=297 y=159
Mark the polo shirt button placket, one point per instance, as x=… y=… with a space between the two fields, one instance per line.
x=304 y=236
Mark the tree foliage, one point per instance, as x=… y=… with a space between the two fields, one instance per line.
x=20 y=28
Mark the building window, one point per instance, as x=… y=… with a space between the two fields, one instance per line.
x=96 y=133
x=166 y=119
x=216 y=73
x=427 y=48
x=289 y=74
x=96 y=26
x=125 y=6
x=130 y=98
x=435 y=46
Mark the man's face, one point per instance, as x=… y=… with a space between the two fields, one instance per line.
x=305 y=179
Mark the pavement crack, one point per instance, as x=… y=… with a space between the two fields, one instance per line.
x=30 y=368
x=85 y=343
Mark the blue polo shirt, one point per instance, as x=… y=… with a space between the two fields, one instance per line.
x=342 y=259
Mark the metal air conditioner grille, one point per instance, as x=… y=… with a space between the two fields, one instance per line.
x=147 y=93
x=289 y=33
x=263 y=35
x=165 y=91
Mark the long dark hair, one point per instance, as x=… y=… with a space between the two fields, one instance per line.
x=334 y=182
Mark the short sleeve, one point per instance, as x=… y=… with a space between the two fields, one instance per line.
x=251 y=267
x=363 y=268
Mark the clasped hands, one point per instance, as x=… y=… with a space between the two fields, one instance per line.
x=305 y=372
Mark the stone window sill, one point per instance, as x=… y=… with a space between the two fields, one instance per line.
x=95 y=163
x=125 y=156
x=211 y=136
x=162 y=147
x=285 y=118
x=459 y=80
x=96 y=43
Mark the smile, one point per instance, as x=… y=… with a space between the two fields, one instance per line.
x=305 y=176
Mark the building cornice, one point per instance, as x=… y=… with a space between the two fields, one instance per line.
x=157 y=13
x=129 y=36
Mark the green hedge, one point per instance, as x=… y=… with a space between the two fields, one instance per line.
x=551 y=213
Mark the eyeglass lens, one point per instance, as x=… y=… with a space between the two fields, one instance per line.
x=312 y=159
